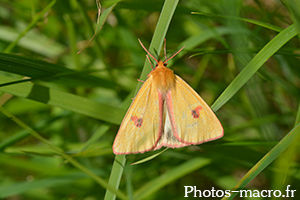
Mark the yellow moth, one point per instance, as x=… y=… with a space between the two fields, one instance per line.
x=165 y=112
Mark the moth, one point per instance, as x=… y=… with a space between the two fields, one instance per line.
x=166 y=112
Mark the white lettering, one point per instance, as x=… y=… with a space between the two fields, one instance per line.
x=242 y=193
x=256 y=193
x=213 y=192
x=187 y=192
x=206 y=195
x=262 y=193
x=292 y=195
x=222 y=193
x=227 y=193
x=287 y=191
x=269 y=193
x=274 y=193
x=195 y=192
x=246 y=193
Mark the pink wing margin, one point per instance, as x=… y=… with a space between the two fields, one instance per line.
x=133 y=140
x=184 y=104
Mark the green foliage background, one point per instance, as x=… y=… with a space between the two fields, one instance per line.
x=60 y=110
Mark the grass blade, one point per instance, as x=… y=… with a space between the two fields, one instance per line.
x=149 y=158
x=256 y=22
x=177 y=172
x=30 y=26
x=266 y=160
x=156 y=44
x=44 y=71
x=57 y=150
x=63 y=100
x=253 y=66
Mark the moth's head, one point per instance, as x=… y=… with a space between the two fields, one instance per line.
x=161 y=64
x=158 y=62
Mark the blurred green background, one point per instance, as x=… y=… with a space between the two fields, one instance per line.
x=60 y=110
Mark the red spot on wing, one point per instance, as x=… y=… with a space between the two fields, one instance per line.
x=195 y=112
x=137 y=121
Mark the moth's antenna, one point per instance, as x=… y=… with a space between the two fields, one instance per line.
x=173 y=55
x=165 y=48
x=150 y=62
x=147 y=51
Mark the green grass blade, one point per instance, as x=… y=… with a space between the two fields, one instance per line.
x=159 y=34
x=298 y=115
x=253 y=66
x=58 y=151
x=23 y=134
x=19 y=188
x=95 y=137
x=266 y=160
x=116 y=175
x=175 y=173
x=69 y=101
x=33 y=41
x=286 y=161
x=294 y=9
x=33 y=23
x=149 y=158
x=205 y=35
x=156 y=44
x=101 y=20
x=256 y=22
x=63 y=100
x=44 y=71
